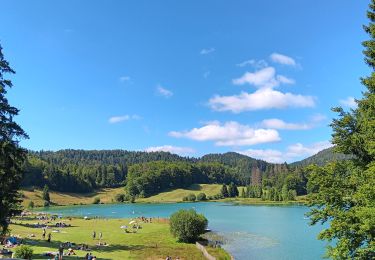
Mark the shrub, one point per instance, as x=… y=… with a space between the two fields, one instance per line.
x=96 y=200
x=201 y=196
x=23 y=251
x=185 y=198
x=120 y=197
x=132 y=199
x=191 y=197
x=46 y=204
x=187 y=225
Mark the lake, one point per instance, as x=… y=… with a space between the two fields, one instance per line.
x=251 y=232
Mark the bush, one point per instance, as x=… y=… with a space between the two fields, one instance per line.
x=31 y=204
x=187 y=225
x=23 y=251
x=201 y=196
x=191 y=197
x=96 y=200
x=46 y=204
x=120 y=197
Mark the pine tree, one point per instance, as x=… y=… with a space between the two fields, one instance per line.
x=344 y=192
x=224 y=191
x=45 y=195
x=12 y=156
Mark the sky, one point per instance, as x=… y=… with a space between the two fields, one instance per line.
x=191 y=77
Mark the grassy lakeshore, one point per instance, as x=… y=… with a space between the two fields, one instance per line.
x=153 y=241
x=108 y=196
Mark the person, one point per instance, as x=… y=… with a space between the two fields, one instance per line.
x=89 y=257
x=49 y=238
x=93 y=234
x=61 y=252
x=71 y=251
x=100 y=235
x=44 y=233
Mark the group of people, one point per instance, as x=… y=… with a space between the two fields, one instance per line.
x=49 y=236
x=94 y=235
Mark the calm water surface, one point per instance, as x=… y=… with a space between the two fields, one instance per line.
x=251 y=232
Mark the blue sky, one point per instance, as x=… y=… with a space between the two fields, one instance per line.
x=190 y=77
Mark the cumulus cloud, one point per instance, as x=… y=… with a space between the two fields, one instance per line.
x=171 y=149
x=269 y=155
x=349 y=102
x=164 y=92
x=263 y=78
x=258 y=64
x=276 y=123
x=293 y=152
x=207 y=51
x=229 y=134
x=264 y=98
x=118 y=119
x=282 y=59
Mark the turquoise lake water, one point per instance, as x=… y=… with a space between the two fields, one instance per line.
x=250 y=232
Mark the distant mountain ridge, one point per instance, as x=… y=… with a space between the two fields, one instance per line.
x=321 y=158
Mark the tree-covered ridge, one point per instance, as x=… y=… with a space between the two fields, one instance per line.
x=322 y=158
x=85 y=170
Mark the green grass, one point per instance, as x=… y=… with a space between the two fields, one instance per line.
x=153 y=241
x=177 y=194
x=69 y=198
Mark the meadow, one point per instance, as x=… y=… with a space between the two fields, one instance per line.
x=152 y=241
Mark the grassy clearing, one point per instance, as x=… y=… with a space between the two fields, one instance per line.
x=177 y=194
x=66 y=198
x=153 y=241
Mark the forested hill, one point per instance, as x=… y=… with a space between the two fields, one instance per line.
x=321 y=158
x=85 y=170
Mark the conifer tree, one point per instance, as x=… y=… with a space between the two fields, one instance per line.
x=12 y=156
x=344 y=192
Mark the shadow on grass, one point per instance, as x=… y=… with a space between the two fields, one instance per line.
x=40 y=228
x=55 y=244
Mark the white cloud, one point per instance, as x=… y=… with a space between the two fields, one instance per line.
x=293 y=152
x=283 y=59
x=272 y=156
x=171 y=149
x=207 y=51
x=124 y=78
x=258 y=64
x=164 y=92
x=275 y=123
x=298 y=149
x=349 y=102
x=118 y=119
x=261 y=99
x=229 y=134
x=263 y=78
